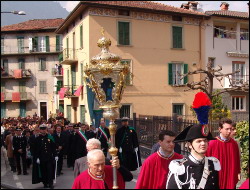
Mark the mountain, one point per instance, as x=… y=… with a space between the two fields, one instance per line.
x=33 y=10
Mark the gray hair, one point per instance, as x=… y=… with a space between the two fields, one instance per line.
x=93 y=142
x=93 y=154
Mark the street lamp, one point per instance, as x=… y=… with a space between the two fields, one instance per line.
x=15 y=12
x=106 y=76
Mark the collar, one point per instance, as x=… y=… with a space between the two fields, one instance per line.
x=222 y=138
x=195 y=160
x=96 y=177
x=162 y=154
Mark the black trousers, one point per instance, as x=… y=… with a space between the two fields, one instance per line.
x=47 y=172
x=59 y=163
x=18 y=157
x=12 y=163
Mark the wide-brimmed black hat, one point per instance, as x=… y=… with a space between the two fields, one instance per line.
x=195 y=131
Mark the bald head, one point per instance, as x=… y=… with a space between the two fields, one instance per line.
x=96 y=162
x=95 y=154
x=93 y=144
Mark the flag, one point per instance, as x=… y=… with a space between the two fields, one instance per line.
x=2 y=96
x=78 y=91
x=18 y=73
x=62 y=92
x=16 y=97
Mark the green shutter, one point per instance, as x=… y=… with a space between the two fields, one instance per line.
x=3 y=109
x=67 y=46
x=81 y=37
x=2 y=86
x=42 y=65
x=170 y=74
x=22 y=109
x=177 y=37
x=81 y=73
x=73 y=75
x=6 y=65
x=20 y=44
x=59 y=85
x=57 y=42
x=123 y=32
x=82 y=111
x=185 y=72
x=47 y=44
x=21 y=63
x=61 y=108
x=69 y=112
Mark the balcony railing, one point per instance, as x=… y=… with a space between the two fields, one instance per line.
x=25 y=73
x=24 y=96
x=70 y=90
x=236 y=80
x=57 y=72
x=69 y=56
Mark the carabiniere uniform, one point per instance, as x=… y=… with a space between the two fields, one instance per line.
x=190 y=173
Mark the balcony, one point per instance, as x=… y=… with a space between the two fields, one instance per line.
x=55 y=72
x=69 y=56
x=25 y=96
x=236 y=81
x=71 y=89
x=10 y=74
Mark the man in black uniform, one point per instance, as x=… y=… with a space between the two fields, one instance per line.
x=196 y=171
x=72 y=146
x=128 y=147
x=45 y=152
x=81 y=140
x=68 y=133
x=103 y=136
x=20 y=145
x=60 y=140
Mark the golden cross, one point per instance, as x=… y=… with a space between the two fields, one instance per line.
x=102 y=31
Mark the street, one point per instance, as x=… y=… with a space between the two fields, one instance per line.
x=64 y=181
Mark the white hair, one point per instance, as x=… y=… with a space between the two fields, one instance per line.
x=93 y=142
x=94 y=154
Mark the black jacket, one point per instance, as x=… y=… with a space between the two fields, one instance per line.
x=19 y=143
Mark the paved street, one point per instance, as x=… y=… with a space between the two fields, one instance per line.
x=64 y=181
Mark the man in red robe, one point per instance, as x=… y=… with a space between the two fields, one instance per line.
x=227 y=151
x=154 y=171
x=97 y=176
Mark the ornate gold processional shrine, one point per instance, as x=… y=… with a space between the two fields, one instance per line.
x=106 y=76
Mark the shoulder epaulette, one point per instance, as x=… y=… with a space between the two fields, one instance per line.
x=216 y=162
x=177 y=166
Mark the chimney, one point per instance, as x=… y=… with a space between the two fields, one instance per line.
x=224 y=6
x=185 y=6
x=193 y=5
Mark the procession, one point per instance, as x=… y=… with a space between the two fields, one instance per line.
x=125 y=95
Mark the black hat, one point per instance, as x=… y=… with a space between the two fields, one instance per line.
x=125 y=119
x=43 y=126
x=76 y=126
x=18 y=129
x=195 y=131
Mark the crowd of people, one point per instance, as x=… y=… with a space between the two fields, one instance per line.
x=213 y=163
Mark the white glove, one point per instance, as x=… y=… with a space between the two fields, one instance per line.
x=56 y=158
x=136 y=149
x=38 y=161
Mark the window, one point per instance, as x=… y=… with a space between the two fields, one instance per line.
x=219 y=32
x=20 y=44
x=238 y=103
x=177 y=36
x=177 y=18
x=83 y=111
x=178 y=109
x=124 y=12
x=33 y=44
x=21 y=63
x=244 y=34
x=59 y=43
x=42 y=64
x=123 y=33
x=5 y=65
x=2 y=45
x=2 y=86
x=43 y=87
x=128 y=80
x=239 y=77
x=47 y=44
x=3 y=109
x=125 y=111
x=174 y=69
x=22 y=109
x=211 y=60
x=69 y=112
x=42 y=43
x=81 y=37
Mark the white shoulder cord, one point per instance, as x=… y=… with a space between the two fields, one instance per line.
x=180 y=183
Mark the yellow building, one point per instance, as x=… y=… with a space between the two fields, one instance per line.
x=158 y=41
x=29 y=52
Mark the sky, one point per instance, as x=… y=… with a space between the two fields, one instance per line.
x=205 y=5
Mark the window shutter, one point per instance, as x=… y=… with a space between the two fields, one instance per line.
x=126 y=33
x=67 y=46
x=185 y=72
x=170 y=74
x=6 y=65
x=35 y=44
x=120 y=30
x=47 y=44
x=81 y=37
x=57 y=43
x=21 y=63
x=177 y=37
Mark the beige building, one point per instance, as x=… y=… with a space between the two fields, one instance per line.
x=29 y=52
x=156 y=40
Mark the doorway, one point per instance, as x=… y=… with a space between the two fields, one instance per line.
x=43 y=110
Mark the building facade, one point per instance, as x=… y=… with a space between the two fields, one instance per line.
x=156 y=40
x=29 y=52
x=227 y=45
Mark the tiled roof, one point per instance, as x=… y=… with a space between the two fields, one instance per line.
x=34 y=24
x=226 y=13
x=146 y=5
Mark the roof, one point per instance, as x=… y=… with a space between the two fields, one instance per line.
x=146 y=5
x=35 y=24
x=226 y=13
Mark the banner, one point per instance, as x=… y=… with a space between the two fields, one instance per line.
x=18 y=73
x=16 y=97
x=62 y=92
x=78 y=91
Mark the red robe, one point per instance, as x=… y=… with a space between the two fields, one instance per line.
x=87 y=181
x=228 y=154
x=154 y=171
x=245 y=185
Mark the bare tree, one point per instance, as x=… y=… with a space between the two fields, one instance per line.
x=206 y=84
